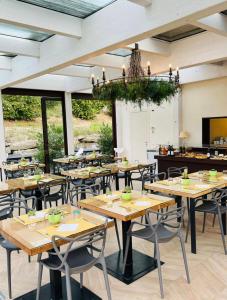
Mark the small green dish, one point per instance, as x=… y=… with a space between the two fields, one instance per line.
x=126 y=196
x=185 y=181
x=54 y=219
x=213 y=173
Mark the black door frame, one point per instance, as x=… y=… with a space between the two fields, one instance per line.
x=61 y=96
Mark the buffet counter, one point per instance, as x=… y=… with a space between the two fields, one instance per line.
x=194 y=164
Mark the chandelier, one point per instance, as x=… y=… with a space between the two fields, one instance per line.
x=137 y=85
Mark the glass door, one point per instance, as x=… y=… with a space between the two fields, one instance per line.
x=54 y=130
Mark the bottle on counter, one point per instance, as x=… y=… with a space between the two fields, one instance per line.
x=208 y=153
x=169 y=151
x=160 y=150
x=216 y=153
x=172 y=151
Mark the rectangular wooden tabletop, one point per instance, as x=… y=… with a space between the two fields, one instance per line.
x=37 y=239
x=88 y=172
x=127 y=167
x=30 y=182
x=113 y=206
x=70 y=159
x=16 y=167
x=195 y=189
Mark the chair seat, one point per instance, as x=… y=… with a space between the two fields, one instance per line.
x=75 y=259
x=210 y=207
x=8 y=245
x=163 y=234
x=121 y=175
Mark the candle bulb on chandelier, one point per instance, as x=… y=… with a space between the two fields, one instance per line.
x=148 y=68
x=123 y=71
x=103 y=75
x=93 y=79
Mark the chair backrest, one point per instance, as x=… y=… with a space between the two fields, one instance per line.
x=81 y=192
x=153 y=178
x=219 y=196
x=95 y=240
x=175 y=172
x=102 y=178
x=8 y=205
x=171 y=219
x=53 y=190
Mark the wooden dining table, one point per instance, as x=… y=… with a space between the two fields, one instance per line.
x=27 y=184
x=199 y=186
x=138 y=264
x=15 y=167
x=36 y=239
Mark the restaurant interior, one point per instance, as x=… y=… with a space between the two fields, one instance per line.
x=113 y=149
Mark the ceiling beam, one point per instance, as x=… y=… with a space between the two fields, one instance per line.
x=216 y=23
x=38 y=18
x=152 y=45
x=203 y=72
x=5 y=63
x=189 y=52
x=100 y=36
x=144 y=3
x=107 y=60
x=19 y=46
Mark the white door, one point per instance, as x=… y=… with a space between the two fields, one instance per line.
x=139 y=135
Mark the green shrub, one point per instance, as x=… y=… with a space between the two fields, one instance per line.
x=87 y=109
x=56 y=144
x=105 y=140
x=21 y=107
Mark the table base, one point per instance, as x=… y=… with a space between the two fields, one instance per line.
x=142 y=264
x=77 y=293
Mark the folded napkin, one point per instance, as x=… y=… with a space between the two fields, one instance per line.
x=67 y=227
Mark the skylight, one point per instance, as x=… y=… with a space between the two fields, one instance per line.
x=24 y=33
x=76 y=8
x=120 y=52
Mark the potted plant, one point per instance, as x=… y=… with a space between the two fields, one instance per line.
x=37 y=174
x=125 y=162
x=127 y=194
x=23 y=162
x=54 y=215
x=185 y=179
x=213 y=173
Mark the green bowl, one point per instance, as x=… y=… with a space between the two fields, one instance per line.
x=126 y=196
x=213 y=173
x=186 y=181
x=125 y=163
x=54 y=219
x=37 y=177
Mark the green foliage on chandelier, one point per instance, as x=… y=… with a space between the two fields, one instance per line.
x=141 y=90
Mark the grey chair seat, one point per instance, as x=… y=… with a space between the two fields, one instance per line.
x=210 y=207
x=163 y=234
x=75 y=259
x=8 y=245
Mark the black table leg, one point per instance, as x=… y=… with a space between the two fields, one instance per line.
x=179 y=205
x=129 y=261
x=223 y=216
x=137 y=264
x=55 y=285
x=117 y=182
x=193 y=225
x=127 y=178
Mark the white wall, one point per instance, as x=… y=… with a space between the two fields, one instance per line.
x=202 y=99
x=139 y=130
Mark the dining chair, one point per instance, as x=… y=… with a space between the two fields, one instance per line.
x=8 y=205
x=82 y=253
x=52 y=191
x=165 y=228
x=152 y=178
x=215 y=206
x=143 y=170
x=103 y=178
x=175 y=171
x=81 y=192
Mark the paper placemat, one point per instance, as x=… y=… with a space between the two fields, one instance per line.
x=67 y=229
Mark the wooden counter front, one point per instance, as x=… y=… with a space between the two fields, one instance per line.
x=193 y=164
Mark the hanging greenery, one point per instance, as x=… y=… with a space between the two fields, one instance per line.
x=149 y=90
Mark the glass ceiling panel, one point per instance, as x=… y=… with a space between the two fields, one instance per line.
x=76 y=8
x=24 y=33
x=120 y=52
